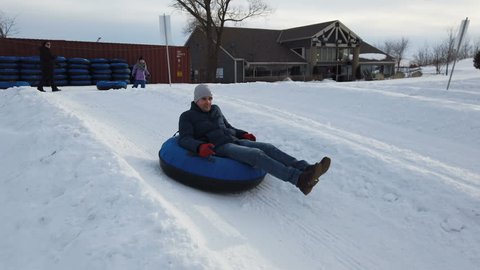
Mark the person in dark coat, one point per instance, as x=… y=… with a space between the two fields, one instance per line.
x=204 y=130
x=47 y=63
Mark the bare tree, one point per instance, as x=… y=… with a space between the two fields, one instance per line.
x=396 y=49
x=210 y=17
x=439 y=56
x=7 y=25
x=423 y=56
x=448 y=48
x=465 y=50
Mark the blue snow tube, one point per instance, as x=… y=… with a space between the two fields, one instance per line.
x=5 y=85
x=9 y=59
x=107 y=85
x=79 y=61
x=215 y=173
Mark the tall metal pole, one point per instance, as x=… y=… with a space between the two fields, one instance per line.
x=165 y=28
x=461 y=34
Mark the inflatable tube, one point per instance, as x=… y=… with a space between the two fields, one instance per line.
x=8 y=71
x=77 y=60
x=60 y=77
x=62 y=64
x=30 y=59
x=77 y=66
x=61 y=82
x=31 y=71
x=60 y=59
x=107 y=85
x=120 y=77
x=121 y=71
x=214 y=174
x=8 y=65
x=99 y=61
x=60 y=71
x=80 y=83
x=9 y=59
x=30 y=66
x=100 y=66
x=30 y=78
x=101 y=77
x=101 y=71
x=117 y=60
x=84 y=77
x=119 y=65
x=12 y=77
x=5 y=85
x=78 y=71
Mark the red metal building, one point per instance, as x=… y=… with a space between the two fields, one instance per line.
x=155 y=55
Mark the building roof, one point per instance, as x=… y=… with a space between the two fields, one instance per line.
x=367 y=49
x=303 y=32
x=257 y=45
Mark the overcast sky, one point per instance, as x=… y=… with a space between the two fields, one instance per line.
x=137 y=21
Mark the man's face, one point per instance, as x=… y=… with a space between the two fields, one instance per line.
x=205 y=103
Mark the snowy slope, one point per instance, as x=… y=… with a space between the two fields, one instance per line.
x=81 y=187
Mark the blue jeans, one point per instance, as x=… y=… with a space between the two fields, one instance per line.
x=264 y=156
x=137 y=82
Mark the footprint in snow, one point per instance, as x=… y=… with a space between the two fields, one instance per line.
x=451 y=224
x=390 y=197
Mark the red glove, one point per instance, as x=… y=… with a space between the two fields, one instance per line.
x=206 y=149
x=249 y=136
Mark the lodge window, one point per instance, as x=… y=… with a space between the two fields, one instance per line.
x=326 y=54
x=329 y=54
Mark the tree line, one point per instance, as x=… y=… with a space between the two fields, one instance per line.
x=442 y=54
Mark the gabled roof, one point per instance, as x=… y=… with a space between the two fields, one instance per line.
x=257 y=45
x=328 y=32
x=303 y=32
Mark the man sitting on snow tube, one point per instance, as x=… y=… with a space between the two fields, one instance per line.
x=215 y=173
x=203 y=129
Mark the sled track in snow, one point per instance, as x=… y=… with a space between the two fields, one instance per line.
x=458 y=177
x=450 y=104
x=319 y=235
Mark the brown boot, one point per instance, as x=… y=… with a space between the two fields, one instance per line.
x=323 y=168
x=309 y=178
x=305 y=179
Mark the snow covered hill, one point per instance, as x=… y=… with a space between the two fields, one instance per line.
x=81 y=188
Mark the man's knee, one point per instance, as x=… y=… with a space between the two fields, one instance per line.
x=256 y=155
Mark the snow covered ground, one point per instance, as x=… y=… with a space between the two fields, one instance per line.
x=81 y=188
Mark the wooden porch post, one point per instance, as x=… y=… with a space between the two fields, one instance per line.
x=356 y=54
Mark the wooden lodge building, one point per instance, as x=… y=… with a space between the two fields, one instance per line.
x=313 y=52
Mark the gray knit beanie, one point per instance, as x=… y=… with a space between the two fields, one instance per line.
x=202 y=90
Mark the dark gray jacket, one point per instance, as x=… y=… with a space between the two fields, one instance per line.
x=197 y=127
x=47 y=59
